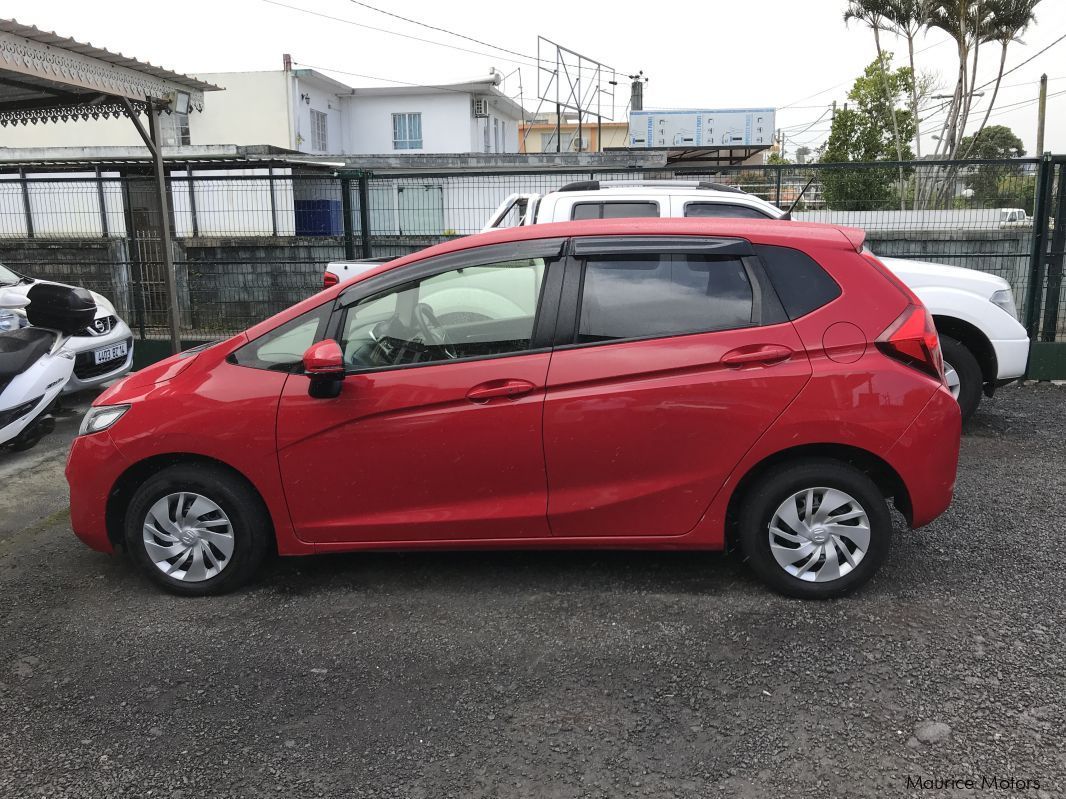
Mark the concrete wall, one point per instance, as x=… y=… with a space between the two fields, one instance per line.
x=253 y=109
x=1005 y=253
x=100 y=265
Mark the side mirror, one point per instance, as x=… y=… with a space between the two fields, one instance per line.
x=324 y=364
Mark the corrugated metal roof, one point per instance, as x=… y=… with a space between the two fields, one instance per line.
x=52 y=39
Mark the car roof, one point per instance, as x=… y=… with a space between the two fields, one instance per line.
x=757 y=231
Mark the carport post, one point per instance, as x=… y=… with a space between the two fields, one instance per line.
x=151 y=140
x=346 y=214
x=1035 y=292
x=364 y=215
x=1055 y=261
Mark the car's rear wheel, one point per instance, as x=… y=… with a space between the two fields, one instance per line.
x=197 y=530
x=815 y=529
x=962 y=374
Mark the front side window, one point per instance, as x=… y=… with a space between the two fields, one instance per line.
x=475 y=311
x=619 y=210
x=644 y=296
x=319 y=131
x=724 y=210
x=283 y=348
x=407 y=131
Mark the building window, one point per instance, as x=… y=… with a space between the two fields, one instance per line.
x=181 y=122
x=487 y=141
x=503 y=135
x=319 y=131
x=407 y=131
x=496 y=133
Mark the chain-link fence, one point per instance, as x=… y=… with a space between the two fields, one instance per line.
x=250 y=242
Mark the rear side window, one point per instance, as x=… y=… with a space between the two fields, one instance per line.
x=614 y=210
x=800 y=283
x=666 y=295
x=724 y=210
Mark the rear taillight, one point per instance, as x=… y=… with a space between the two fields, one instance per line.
x=329 y=279
x=912 y=339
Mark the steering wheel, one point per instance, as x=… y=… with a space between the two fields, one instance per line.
x=433 y=330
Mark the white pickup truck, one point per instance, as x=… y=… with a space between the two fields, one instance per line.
x=984 y=345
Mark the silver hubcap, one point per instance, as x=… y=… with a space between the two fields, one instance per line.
x=819 y=534
x=951 y=377
x=188 y=537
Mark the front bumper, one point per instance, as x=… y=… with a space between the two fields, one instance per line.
x=93 y=467
x=1012 y=358
x=87 y=373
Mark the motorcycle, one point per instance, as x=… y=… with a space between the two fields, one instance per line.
x=34 y=366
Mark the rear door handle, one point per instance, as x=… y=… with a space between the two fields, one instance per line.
x=510 y=388
x=762 y=356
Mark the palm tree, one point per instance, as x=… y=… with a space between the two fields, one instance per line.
x=965 y=21
x=1008 y=20
x=906 y=19
x=873 y=13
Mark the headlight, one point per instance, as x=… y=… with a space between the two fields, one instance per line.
x=101 y=418
x=1005 y=300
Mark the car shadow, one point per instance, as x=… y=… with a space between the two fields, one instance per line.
x=510 y=570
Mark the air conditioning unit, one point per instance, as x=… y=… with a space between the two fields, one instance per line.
x=579 y=144
x=481 y=108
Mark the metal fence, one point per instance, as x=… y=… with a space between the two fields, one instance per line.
x=251 y=242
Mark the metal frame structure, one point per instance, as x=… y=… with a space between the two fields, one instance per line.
x=580 y=92
x=46 y=78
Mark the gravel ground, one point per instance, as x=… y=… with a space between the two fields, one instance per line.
x=556 y=674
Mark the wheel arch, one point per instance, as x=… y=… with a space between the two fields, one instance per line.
x=127 y=483
x=974 y=339
x=878 y=469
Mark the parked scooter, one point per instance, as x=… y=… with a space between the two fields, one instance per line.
x=34 y=366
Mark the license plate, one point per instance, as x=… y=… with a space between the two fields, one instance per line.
x=114 y=352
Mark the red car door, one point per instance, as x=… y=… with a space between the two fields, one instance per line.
x=437 y=432
x=680 y=358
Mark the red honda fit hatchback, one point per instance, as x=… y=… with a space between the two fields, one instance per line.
x=651 y=383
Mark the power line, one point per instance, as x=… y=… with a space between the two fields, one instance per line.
x=526 y=61
x=441 y=87
x=1026 y=61
x=439 y=29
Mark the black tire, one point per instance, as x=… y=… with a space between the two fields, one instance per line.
x=251 y=527
x=971 y=381
x=773 y=488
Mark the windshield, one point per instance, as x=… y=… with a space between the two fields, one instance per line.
x=8 y=278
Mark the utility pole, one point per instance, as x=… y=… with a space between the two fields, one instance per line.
x=1040 y=116
x=834 y=114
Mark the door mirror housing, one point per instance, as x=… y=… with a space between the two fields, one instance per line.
x=324 y=365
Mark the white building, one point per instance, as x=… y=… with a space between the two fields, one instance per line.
x=304 y=110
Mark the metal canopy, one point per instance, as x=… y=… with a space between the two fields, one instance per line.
x=45 y=77
x=701 y=156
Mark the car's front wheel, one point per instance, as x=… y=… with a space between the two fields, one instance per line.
x=197 y=529
x=962 y=374
x=815 y=528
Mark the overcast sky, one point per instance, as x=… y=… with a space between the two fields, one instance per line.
x=795 y=56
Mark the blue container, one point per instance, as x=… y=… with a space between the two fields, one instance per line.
x=319 y=218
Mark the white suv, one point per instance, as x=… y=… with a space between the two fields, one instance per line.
x=984 y=344
x=102 y=352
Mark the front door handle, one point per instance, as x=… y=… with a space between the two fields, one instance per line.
x=509 y=388
x=760 y=356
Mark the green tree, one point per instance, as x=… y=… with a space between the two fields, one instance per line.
x=863 y=133
x=995 y=185
x=1008 y=22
